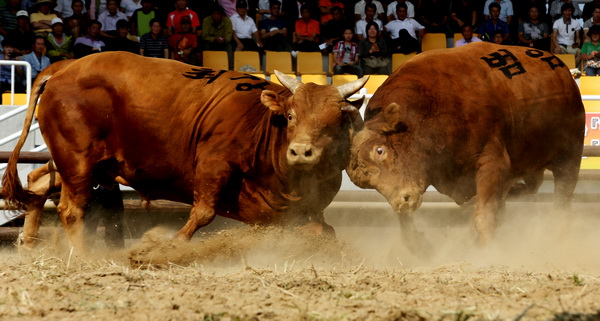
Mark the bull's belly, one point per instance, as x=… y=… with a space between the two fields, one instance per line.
x=163 y=190
x=252 y=205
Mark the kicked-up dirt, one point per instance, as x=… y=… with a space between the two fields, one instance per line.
x=541 y=266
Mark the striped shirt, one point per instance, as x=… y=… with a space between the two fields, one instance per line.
x=152 y=47
x=8 y=19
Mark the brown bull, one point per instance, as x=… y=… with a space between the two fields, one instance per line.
x=471 y=121
x=228 y=143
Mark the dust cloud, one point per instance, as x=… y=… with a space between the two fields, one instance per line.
x=530 y=235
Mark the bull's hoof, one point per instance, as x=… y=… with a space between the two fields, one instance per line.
x=158 y=250
x=25 y=243
x=315 y=228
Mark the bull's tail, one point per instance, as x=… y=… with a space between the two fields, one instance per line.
x=15 y=196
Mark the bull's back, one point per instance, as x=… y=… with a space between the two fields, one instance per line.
x=531 y=89
x=529 y=94
x=495 y=74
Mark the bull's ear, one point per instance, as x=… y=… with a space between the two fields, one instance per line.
x=357 y=103
x=270 y=99
x=355 y=118
x=394 y=115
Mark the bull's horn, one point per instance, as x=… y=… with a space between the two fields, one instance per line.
x=288 y=82
x=346 y=90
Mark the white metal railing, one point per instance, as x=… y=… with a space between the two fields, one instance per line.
x=13 y=64
x=19 y=108
x=13 y=112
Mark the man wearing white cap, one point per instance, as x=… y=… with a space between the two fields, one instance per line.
x=21 y=37
x=60 y=45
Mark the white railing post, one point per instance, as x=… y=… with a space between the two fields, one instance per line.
x=13 y=64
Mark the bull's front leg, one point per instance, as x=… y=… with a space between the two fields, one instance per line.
x=31 y=226
x=211 y=178
x=492 y=181
x=414 y=239
x=316 y=197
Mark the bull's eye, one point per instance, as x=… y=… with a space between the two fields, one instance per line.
x=289 y=117
x=379 y=150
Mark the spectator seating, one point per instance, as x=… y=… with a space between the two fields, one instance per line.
x=281 y=61
x=457 y=37
x=331 y=63
x=276 y=80
x=399 y=59
x=568 y=59
x=317 y=79
x=20 y=99
x=215 y=59
x=375 y=81
x=337 y=80
x=589 y=85
x=242 y=58
x=309 y=63
x=433 y=41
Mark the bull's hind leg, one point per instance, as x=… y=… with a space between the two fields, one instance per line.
x=42 y=182
x=209 y=183
x=531 y=184
x=491 y=180
x=566 y=172
x=31 y=226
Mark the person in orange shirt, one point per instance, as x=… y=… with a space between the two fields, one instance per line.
x=306 y=35
x=326 y=6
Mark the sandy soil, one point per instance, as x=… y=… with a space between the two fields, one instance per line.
x=541 y=266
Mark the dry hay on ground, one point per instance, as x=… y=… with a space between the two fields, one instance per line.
x=540 y=268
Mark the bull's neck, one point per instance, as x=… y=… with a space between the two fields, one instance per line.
x=271 y=143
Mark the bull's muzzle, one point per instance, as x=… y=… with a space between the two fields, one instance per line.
x=405 y=202
x=304 y=154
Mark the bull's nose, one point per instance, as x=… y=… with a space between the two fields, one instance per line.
x=302 y=154
x=406 y=202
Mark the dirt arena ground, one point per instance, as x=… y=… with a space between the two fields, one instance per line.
x=542 y=266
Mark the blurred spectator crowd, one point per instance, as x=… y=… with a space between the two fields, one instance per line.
x=361 y=34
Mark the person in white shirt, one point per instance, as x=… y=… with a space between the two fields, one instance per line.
x=130 y=6
x=359 y=9
x=245 y=33
x=506 y=10
x=109 y=18
x=391 y=10
x=405 y=32
x=556 y=9
x=565 y=34
x=361 y=25
x=467 y=33
x=63 y=8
